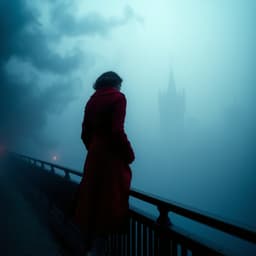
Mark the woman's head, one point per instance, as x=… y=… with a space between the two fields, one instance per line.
x=108 y=79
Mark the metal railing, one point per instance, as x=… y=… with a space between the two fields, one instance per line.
x=149 y=236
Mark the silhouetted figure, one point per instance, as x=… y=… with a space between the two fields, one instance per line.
x=102 y=204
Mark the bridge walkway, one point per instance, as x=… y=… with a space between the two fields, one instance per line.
x=23 y=232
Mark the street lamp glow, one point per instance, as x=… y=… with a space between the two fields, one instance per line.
x=54 y=158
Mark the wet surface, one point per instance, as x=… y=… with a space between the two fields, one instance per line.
x=22 y=232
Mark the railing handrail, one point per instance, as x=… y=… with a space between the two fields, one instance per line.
x=166 y=206
x=80 y=174
x=195 y=215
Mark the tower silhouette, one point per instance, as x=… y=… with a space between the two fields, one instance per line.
x=172 y=107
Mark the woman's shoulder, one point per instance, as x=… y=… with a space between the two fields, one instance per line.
x=115 y=94
x=108 y=96
x=120 y=97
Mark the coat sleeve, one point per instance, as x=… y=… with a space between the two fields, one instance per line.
x=85 y=134
x=119 y=135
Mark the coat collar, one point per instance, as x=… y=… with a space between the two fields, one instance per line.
x=104 y=91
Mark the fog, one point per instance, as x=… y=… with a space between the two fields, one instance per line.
x=188 y=70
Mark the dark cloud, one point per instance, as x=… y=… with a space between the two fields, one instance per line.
x=24 y=104
x=92 y=23
x=23 y=111
x=21 y=35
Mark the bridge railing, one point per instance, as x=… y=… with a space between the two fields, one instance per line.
x=157 y=236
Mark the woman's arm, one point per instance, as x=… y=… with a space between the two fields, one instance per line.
x=85 y=134
x=119 y=135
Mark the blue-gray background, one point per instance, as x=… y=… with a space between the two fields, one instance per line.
x=189 y=77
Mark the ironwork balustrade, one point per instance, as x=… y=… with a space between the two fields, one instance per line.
x=149 y=236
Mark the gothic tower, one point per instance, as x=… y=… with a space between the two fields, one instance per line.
x=172 y=111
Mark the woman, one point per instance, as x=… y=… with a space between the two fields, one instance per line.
x=104 y=189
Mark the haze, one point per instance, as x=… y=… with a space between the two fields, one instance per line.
x=189 y=78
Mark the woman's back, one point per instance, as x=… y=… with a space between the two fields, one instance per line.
x=100 y=108
x=104 y=190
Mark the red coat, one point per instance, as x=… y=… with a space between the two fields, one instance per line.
x=104 y=189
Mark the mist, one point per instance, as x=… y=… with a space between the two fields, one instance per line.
x=188 y=70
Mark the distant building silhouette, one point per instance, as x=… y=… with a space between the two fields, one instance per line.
x=172 y=107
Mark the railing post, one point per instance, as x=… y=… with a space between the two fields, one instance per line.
x=52 y=169
x=67 y=175
x=163 y=218
x=42 y=165
x=164 y=223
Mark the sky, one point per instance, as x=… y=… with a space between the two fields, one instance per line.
x=51 y=52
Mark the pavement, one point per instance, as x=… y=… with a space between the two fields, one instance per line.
x=22 y=231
